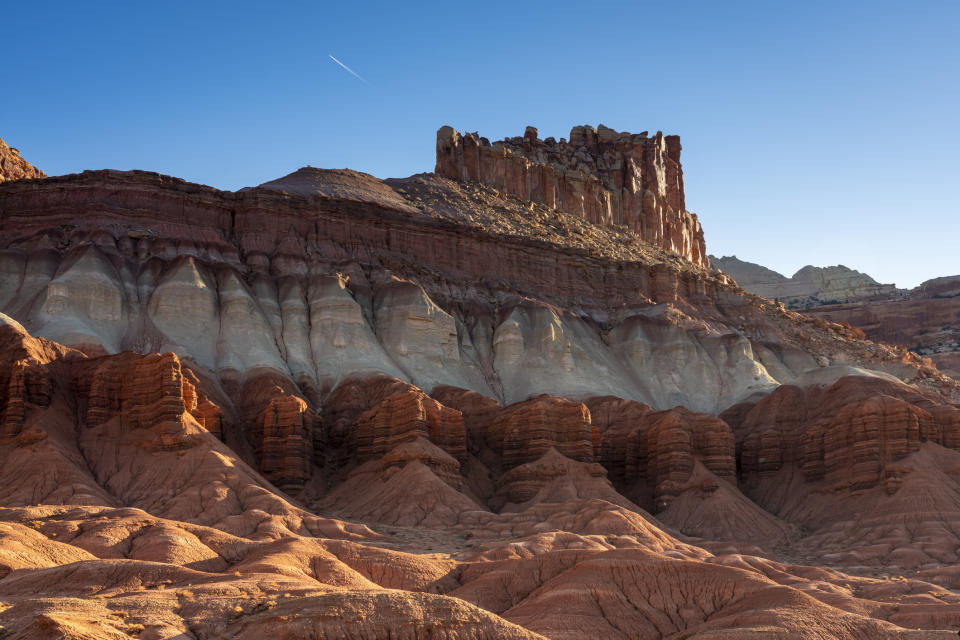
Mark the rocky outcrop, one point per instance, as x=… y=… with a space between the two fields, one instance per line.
x=922 y=319
x=344 y=405
x=404 y=417
x=618 y=422
x=143 y=392
x=651 y=455
x=524 y=431
x=14 y=167
x=319 y=288
x=863 y=465
x=284 y=437
x=603 y=176
x=478 y=412
x=674 y=440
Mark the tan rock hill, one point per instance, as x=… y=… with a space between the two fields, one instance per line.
x=808 y=287
x=339 y=407
x=14 y=167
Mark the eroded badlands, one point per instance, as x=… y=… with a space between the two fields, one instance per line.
x=338 y=407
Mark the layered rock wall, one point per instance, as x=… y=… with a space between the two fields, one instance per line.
x=285 y=443
x=524 y=431
x=603 y=176
x=652 y=454
x=404 y=417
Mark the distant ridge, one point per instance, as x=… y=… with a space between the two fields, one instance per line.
x=809 y=287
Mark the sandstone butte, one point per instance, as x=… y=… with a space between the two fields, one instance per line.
x=510 y=399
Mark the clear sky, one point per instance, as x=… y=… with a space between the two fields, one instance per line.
x=813 y=132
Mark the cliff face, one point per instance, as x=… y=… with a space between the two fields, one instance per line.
x=852 y=459
x=318 y=288
x=603 y=176
x=14 y=167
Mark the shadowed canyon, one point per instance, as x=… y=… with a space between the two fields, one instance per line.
x=513 y=398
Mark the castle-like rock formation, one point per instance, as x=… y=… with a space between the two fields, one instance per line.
x=605 y=177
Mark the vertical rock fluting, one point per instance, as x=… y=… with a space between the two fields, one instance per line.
x=284 y=430
x=478 y=412
x=603 y=176
x=346 y=403
x=675 y=439
x=617 y=419
x=142 y=390
x=25 y=383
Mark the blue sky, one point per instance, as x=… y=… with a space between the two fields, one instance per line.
x=813 y=132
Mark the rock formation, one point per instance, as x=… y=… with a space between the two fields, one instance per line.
x=403 y=417
x=600 y=175
x=517 y=401
x=652 y=454
x=838 y=459
x=14 y=167
x=524 y=431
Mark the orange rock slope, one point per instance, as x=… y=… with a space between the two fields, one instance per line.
x=125 y=516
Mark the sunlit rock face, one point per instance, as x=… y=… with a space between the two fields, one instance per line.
x=14 y=167
x=601 y=175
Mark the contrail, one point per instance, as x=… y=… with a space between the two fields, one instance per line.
x=351 y=71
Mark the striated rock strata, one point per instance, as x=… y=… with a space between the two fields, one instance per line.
x=866 y=465
x=524 y=431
